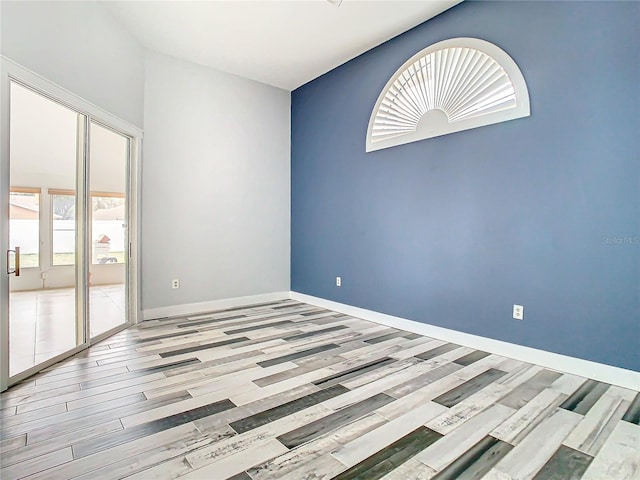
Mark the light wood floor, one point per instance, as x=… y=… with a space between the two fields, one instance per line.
x=289 y=391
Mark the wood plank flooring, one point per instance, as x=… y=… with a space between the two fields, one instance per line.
x=289 y=391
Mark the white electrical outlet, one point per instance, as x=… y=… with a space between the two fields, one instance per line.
x=43 y=275
x=518 y=312
x=338 y=282
x=175 y=283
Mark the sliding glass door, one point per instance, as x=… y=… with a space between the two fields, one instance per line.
x=68 y=218
x=109 y=154
x=46 y=318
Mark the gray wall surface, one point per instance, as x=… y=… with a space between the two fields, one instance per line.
x=216 y=185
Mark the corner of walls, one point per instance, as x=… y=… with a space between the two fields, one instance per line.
x=289 y=217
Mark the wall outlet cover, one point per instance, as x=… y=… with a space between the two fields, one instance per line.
x=518 y=312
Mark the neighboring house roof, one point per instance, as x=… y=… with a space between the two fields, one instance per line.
x=114 y=213
x=19 y=211
x=23 y=212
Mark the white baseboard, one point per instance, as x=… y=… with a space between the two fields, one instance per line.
x=201 y=307
x=576 y=366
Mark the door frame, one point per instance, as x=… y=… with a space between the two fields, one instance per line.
x=11 y=71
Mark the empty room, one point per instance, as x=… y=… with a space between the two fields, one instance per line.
x=320 y=239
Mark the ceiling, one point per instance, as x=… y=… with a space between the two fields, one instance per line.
x=283 y=43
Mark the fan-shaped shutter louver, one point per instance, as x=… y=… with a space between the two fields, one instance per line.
x=453 y=85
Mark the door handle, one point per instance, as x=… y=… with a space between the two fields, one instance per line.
x=16 y=265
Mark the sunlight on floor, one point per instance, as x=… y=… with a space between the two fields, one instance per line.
x=42 y=322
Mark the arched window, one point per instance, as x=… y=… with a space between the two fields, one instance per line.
x=453 y=85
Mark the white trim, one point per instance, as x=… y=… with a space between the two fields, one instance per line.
x=134 y=200
x=47 y=88
x=193 y=308
x=584 y=368
x=576 y=366
x=4 y=224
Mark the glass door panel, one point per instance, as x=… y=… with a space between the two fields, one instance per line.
x=109 y=160
x=63 y=231
x=24 y=224
x=46 y=157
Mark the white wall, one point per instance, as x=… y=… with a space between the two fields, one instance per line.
x=79 y=46
x=215 y=185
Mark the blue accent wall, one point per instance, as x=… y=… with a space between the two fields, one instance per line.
x=452 y=231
